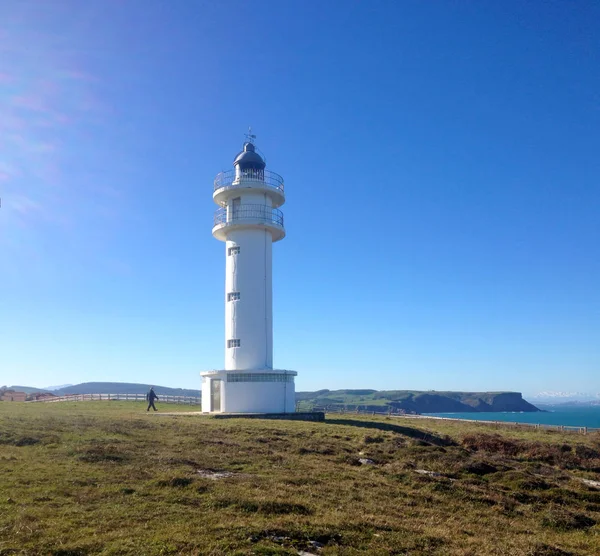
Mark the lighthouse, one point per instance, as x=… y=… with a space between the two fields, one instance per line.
x=248 y=221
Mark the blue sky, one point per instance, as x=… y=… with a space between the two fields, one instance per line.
x=442 y=183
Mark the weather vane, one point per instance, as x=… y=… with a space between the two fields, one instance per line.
x=249 y=136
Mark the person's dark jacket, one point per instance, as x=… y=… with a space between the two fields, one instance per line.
x=151 y=396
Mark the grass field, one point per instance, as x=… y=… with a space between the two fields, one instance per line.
x=108 y=478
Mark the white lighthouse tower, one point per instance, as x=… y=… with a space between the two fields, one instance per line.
x=248 y=221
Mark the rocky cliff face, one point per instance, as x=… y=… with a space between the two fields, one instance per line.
x=460 y=402
x=414 y=401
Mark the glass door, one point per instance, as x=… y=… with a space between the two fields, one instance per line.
x=215 y=395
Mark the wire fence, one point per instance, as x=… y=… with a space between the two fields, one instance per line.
x=352 y=409
x=186 y=400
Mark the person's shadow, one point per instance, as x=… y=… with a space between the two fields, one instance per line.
x=411 y=432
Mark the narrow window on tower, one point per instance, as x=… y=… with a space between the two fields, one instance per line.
x=233 y=296
x=233 y=251
x=233 y=343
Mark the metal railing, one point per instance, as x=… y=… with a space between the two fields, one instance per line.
x=187 y=400
x=260 y=214
x=229 y=178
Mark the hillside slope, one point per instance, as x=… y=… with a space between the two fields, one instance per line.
x=122 y=388
x=415 y=401
x=27 y=389
x=408 y=401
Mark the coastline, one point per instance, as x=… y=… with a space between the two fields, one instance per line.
x=560 y=427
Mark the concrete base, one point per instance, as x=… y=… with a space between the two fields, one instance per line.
x=258 y=391
x=306 y=416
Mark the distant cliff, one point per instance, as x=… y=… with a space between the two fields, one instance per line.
x=122 y=388
x=409 y=401
x=416 y=402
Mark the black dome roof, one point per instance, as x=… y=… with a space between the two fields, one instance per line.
x=249 y=158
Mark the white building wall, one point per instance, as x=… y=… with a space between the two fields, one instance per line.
x=250 y=397
x=206 y=408
x=260 y=397
x=249 y=319
x=251 y=197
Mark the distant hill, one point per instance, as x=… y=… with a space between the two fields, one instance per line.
x=411 y=401
x=415 y=401
x=122 y=388
x=27 y=389
x=57 y=387
x=574 y=403
x=552 y=397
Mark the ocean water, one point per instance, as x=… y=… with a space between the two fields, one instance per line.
x=552 y=415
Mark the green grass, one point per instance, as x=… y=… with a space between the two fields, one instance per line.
x=108 y=478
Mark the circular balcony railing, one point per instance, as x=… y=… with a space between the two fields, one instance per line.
x=266 y=177
x=253 y=214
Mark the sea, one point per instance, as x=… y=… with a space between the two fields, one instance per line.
x=573 y=416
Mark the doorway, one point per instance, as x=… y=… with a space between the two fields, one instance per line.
x=235 y=206
x=215 y=395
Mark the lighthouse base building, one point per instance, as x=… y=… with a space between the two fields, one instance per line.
x=248 y=222
x=266 y=391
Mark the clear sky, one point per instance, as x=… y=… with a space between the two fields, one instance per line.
x=442 y=170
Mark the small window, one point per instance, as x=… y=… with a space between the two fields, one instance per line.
x=233 y=296
x=233 y=343
x=233 y=251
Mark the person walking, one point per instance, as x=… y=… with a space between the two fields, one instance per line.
x=151 y=396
